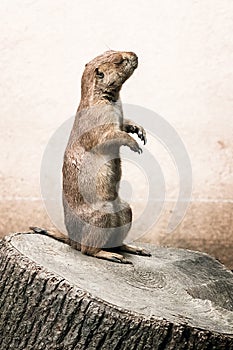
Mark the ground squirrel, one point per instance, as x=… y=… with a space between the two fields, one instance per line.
x=96 y=219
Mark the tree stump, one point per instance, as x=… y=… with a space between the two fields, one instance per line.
x=53 y=297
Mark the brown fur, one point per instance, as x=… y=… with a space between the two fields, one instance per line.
x=95 y=217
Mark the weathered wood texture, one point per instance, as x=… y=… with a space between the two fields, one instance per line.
x=52 y=297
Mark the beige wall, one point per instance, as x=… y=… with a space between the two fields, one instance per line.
x=185 y=74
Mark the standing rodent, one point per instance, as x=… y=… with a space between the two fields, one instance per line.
x=96 y=218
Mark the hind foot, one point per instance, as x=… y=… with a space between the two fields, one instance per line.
x=134 y=250
x=103 y=254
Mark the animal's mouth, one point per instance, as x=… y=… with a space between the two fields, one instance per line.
x=112 y=84
x=110 y=96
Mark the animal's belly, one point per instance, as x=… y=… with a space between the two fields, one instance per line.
x=108 y=178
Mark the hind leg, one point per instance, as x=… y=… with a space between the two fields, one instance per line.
x=97 y=241
x=106 y=229
x=126 y=220
x=100 y=253
x=92 y=231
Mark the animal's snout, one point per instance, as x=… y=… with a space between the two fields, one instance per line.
x=135 y=61
x=132 y=57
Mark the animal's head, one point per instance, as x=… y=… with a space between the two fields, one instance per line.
x=104 y=75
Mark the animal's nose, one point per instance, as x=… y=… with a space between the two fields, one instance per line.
x=132 y=57
x=135 y=61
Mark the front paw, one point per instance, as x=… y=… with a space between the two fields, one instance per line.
x=135 y=147
x=139 y=130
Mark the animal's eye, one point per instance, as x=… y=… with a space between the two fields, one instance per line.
x=120 y=62
x=99 y=74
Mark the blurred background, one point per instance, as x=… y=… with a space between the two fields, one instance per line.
x=185 y=74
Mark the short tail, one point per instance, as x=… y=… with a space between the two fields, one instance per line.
x=51 y=233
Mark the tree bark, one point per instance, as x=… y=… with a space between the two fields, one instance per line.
x=53 y=297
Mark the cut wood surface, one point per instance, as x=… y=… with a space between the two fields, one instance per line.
x=53 y=297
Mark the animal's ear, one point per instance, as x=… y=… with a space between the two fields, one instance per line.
x=99 y=73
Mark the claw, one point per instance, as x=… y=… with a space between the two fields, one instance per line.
x=136 y=148
x=114 y=259
x=135 y=250
x=125 y=261
x=137 y=129
x=141 y=134
x=37 y=229
x=143 y=251
x=118 y=258
x=139 y=150
x=144 y=139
